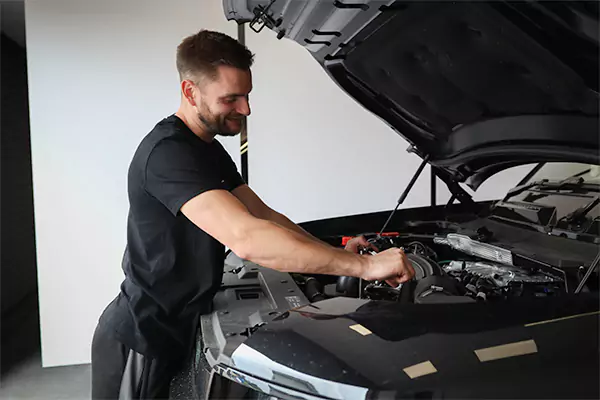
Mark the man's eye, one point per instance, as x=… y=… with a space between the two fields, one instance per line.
x=230 y=100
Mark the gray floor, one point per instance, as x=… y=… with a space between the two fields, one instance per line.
x=28 y=380
x=23 y=378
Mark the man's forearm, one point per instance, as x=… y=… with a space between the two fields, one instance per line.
x=292 y=251
x=284 y=221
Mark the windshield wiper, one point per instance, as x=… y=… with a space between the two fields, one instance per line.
x=571 y=183
x=579 y=214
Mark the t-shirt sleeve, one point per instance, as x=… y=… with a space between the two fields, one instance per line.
x=175 y=174
x=232 y=177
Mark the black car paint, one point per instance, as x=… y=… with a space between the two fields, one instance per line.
x=475 y=87
x=317 y=340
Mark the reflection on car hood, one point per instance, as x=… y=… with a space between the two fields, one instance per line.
x=475 y=87
x=335 y=348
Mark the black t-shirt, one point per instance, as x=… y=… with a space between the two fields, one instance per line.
x=172 y=268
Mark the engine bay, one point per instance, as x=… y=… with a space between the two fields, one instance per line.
x=451 y=268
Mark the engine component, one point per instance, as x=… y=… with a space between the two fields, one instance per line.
x=484 y=279
x=347 y=286
x=381 y=291
x=492 y=276
x=351 y=287
x=474 y=248
x=420 y=249
x=501 y=275
x=314 y=290
x=439 y=289
x=423 y=267
x=384 y=242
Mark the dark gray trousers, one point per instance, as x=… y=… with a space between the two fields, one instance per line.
x=120 y=373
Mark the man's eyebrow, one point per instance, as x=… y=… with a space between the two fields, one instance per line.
x=233 y=95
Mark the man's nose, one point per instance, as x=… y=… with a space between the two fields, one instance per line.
x=244 y=107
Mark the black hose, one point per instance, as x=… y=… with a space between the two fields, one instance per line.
x=314 y=290
x=348 y=286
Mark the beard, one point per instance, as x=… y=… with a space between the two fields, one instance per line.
x=216 y=124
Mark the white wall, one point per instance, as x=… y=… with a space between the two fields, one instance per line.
x=101 y=74
x=316 y=153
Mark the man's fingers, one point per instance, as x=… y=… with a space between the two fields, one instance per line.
x=363 y=241
x=409 y=271
x=405 y=275
x=391 y=282
x=397 y=280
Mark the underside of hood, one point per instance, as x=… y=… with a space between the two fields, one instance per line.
x=474 y=87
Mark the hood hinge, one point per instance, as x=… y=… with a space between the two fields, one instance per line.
x=262 y=17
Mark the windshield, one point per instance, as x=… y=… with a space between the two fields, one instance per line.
x=561 y=171
x=556 y=198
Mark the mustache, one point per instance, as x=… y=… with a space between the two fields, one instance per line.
x=236 y=117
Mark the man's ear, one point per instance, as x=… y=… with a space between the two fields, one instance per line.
x=188 y=89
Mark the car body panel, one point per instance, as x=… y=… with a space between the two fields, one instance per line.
x=558 y=357
x=475 y=87
x=303 y=350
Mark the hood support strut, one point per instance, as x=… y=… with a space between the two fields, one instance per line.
x=457 y=191
x=405 y=193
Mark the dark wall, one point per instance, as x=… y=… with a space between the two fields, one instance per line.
x=18 y=275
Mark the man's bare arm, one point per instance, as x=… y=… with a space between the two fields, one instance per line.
x=264 y=242
x=260 y=210
x=271 y=245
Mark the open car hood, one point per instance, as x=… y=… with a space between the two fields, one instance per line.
x=474 y=87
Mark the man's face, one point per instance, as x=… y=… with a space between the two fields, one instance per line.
x=222 y=103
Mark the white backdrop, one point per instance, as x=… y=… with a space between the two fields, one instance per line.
x=102 y=73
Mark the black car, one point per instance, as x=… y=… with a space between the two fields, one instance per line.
x=505 y=300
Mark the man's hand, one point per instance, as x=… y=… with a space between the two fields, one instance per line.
x=390 y=265
x=355 y=244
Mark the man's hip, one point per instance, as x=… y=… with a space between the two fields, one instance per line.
x=118 y=372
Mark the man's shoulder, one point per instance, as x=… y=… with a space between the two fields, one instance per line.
x=165 y=130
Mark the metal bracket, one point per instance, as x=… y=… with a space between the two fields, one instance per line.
x=350 y=6
x=591 y=269
x=250 y=330
x=262 y=18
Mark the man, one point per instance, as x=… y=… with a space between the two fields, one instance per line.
x=188 y=201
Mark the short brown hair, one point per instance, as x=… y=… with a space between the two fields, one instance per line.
x=199 y=55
